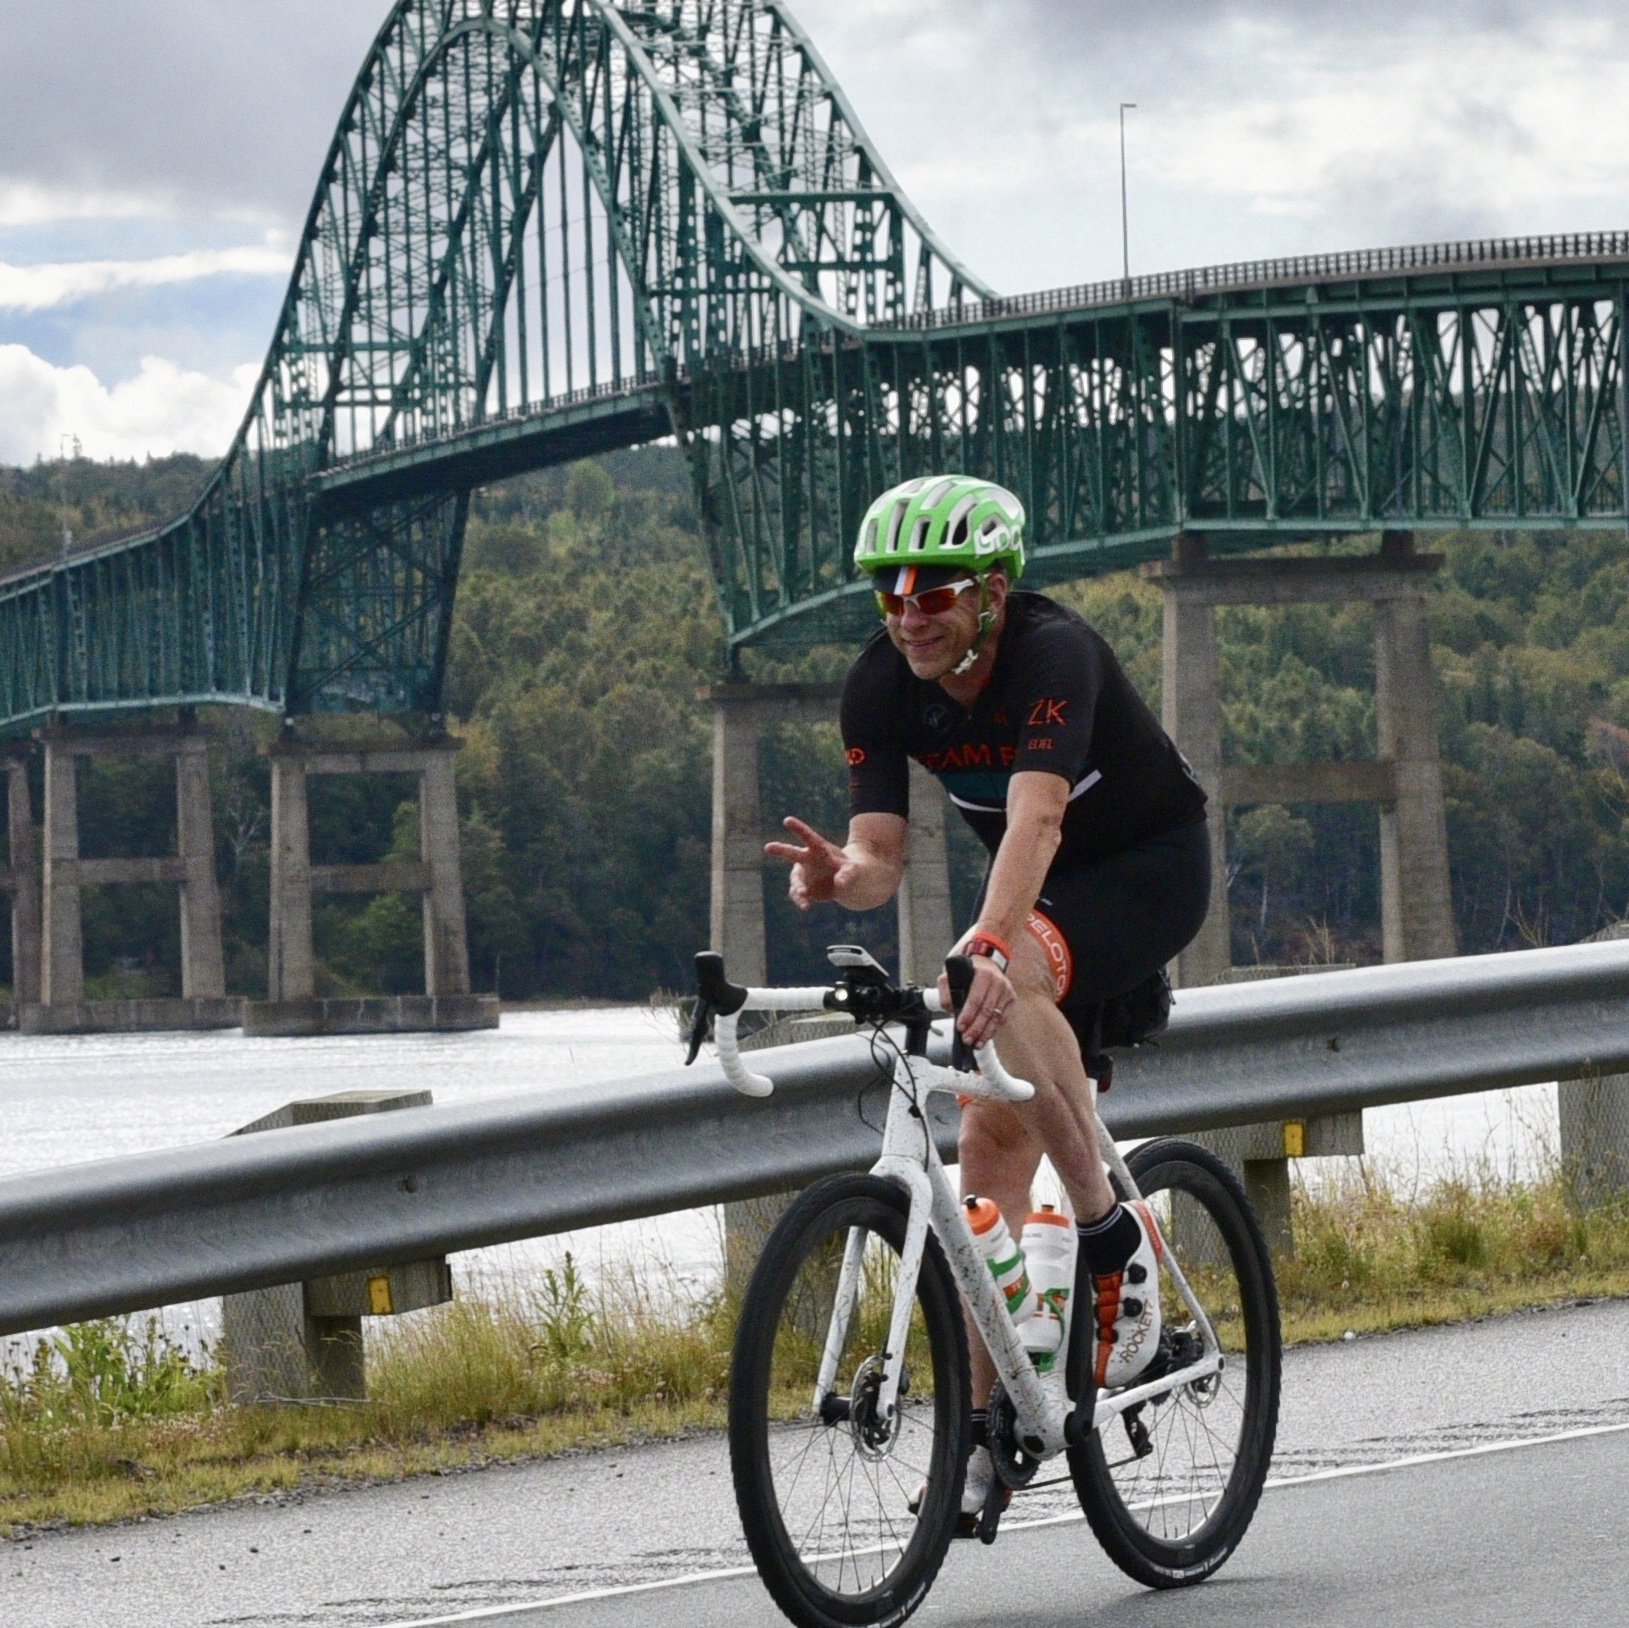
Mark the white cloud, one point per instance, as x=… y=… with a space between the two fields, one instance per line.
x=160 y=410
x=39 y=288
x=24 y=203
x=1490 y=126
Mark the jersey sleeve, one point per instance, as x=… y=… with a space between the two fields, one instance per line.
x=879 y=774
x=1057 y=696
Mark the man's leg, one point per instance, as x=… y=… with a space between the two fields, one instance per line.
x=1001 y=1144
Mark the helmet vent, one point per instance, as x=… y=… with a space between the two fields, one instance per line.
x=956 y=528
x=895 y=520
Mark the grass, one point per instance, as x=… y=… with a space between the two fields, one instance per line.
x=1370 y=1257
x=113 y=1421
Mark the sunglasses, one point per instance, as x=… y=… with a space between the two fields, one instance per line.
x=930 y=602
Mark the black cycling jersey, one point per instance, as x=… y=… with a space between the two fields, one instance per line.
x=1057 y=700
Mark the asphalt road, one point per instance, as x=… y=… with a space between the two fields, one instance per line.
x=1517 y=1533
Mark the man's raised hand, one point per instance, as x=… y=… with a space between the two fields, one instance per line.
x=819 y=866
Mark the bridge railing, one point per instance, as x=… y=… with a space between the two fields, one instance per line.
x=288 y=1205
x=1242 y=275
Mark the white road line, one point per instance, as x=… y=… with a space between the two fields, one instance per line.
x=493 y=1613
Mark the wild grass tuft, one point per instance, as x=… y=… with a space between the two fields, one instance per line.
x=1371 y=1255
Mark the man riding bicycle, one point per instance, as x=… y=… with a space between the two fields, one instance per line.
x=1099 y=859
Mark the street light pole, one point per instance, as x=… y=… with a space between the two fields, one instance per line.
x=64 y=442
x=1125 y=233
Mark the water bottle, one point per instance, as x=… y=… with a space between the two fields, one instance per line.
x=1004 y=1258
x=1049 y=1251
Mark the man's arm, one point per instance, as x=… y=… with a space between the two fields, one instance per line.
x=1036 y=801
x=864 y=873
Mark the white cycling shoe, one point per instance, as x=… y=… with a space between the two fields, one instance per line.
x=1128 y=1308
x=981 y=1476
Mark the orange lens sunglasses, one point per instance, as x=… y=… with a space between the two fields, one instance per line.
x=930 y=602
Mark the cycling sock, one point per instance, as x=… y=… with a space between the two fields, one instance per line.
x=1108 y=1244
x=979 y=1418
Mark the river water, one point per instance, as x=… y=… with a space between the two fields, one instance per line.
x=66 y=1099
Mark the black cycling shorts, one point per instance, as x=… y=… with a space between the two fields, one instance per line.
x=1108 y=924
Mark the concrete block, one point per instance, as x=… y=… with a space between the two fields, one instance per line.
x=370 y=1014
x=303 y=1341
x=155 y=1015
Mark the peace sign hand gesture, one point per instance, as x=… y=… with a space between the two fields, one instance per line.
x=820 y=869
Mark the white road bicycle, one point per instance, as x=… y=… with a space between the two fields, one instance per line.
x=849 y=1393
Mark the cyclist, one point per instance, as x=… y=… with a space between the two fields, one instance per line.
x=1099 y=859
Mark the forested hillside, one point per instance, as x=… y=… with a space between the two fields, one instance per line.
x=586 y=625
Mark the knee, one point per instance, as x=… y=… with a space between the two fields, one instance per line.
x=991 y=1136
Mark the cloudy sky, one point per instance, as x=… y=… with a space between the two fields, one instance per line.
x=158 y=156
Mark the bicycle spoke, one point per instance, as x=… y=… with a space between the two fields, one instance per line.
x=825 y=1496
x=1175 y=1506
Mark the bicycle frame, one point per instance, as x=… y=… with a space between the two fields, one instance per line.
x=910 y=1159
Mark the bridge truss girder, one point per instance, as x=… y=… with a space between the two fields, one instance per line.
x=1257 y=419
x=547 y=227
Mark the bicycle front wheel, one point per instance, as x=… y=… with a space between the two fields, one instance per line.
x=1170 y=1486
x=848 y=1514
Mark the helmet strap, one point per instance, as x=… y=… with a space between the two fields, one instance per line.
x=986 y=621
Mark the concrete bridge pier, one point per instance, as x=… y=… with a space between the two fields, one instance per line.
x=741 y=712
x=1405 y=780
x=293 y=1005
x=59 y=1006
x=21 y=877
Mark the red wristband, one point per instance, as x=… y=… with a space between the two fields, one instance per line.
x=991 y=948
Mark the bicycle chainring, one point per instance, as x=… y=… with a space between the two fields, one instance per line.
x=1013 y=1465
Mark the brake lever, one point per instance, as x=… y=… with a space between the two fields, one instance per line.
x=715 y=996
x=701 y=1030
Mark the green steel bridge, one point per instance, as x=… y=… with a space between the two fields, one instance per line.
x=548 y=228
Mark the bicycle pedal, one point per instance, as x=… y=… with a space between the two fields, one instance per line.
x=989 y=1517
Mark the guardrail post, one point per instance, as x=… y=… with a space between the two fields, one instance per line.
x=1261 y=1155
x=1594 y=1125
x=302 y=1342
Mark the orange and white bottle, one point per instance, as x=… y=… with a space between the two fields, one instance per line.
x=1049 y=1243
x=1004 y=1258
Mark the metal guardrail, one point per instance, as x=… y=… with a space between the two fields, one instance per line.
x=247 y=1212
x=1239 y=276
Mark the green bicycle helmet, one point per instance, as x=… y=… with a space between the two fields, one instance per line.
x=949 y=520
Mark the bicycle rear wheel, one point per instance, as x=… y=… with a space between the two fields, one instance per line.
x=824 y=1484
x=1169 y=1487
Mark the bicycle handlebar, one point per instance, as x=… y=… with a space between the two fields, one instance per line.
x=725 y=1002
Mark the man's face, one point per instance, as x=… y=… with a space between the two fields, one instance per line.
x=932 y=642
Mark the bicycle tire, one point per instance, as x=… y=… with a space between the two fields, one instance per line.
x=1207 y=1445
x=823 y=1493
